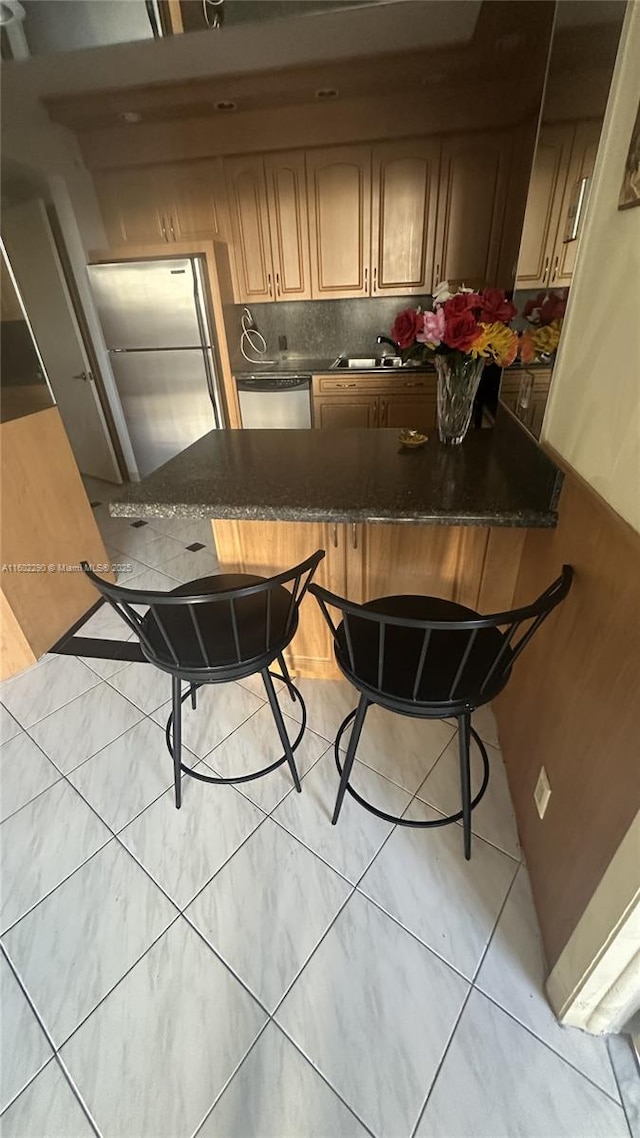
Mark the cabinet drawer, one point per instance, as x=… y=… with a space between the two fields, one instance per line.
x=376 y=383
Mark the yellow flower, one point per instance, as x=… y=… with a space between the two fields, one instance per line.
x=497 y=341
x=546 y=338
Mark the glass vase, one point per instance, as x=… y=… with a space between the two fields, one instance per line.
x=458 y=379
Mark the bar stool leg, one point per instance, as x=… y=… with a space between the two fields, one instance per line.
x=356 y=732
x=282 y=731
x=464 y=739
x=177 y=738
x=285 y=673
x=193 y=696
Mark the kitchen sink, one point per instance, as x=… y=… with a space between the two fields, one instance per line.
x=368 y=363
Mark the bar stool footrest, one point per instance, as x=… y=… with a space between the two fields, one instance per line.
x=394 y=818
x=218 y=780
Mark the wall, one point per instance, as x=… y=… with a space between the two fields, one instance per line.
x=320 y=329
x=572 y=703
x=593 y=415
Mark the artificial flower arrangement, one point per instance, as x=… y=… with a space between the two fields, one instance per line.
x=462 y=323
x=544 y=314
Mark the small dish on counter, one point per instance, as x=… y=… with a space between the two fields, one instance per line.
x=409 y=438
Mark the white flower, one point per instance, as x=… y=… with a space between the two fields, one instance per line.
x=442 y=292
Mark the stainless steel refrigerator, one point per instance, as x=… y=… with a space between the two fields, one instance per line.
x=162 y=351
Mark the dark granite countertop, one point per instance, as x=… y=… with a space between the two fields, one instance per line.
x=497 y=477
x=320 y=367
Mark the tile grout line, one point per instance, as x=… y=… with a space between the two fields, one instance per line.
x=54 y=1053
x=229 y=1081
x=623 y=1097
x=459 y=1017
x=548 y=1046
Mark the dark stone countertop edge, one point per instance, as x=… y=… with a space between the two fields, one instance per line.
x=514 y=520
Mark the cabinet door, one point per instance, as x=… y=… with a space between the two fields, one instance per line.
x=574 y=203
x=404 y=206
x=442 y=561
x=339 y=195
x=267 y=548
x=474 y=172
x=416 y=412
x=544 y=204
x=193 y=193
x=289 y=225
x=250 y=227
x=133 y=206
x=330 y=411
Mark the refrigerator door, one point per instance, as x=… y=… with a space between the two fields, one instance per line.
x=166 y=402
x=148 y=304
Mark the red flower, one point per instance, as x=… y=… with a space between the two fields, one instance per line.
x=460 y=303
x=460 y=331
x=545 y=308
x=553 y=309
x=531 y=305
x=406 y=326
x=495 y=308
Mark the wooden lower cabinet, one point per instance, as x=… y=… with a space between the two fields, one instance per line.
x=415 y=411
x=375 y=400
x=473 y=565
x=337 y=410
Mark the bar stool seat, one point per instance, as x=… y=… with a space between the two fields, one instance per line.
x=402 y=653
x=216 y=627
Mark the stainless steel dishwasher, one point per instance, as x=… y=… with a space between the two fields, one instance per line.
x=275 y=400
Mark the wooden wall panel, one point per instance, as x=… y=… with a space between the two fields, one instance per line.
x=573 y=704
x=46 y=520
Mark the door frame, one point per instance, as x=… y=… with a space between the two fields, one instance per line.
x=595 y=983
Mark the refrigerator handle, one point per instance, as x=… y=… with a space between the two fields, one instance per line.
x=206 y=341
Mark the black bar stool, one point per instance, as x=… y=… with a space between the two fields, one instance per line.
x=214 y=630
x=432 y=659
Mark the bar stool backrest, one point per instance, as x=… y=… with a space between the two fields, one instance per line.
x=473 y=660
x=253 y=620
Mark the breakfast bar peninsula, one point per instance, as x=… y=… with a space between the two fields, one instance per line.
x=446 y=521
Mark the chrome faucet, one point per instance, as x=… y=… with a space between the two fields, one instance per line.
x=392 y=343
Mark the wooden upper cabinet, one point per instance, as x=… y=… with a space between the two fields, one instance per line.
x=339 y=195
x=544 y=206
x=250 y=227
x=195 y=205
x=574 y=202
x=132 y=205
x=288 y=225
x=474 y=172
x=404 y=202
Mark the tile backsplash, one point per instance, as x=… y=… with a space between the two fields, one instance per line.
x=320 y=329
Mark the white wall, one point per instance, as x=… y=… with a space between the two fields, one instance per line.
x=593 y=415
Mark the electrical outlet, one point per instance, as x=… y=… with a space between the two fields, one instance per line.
x=542 y=792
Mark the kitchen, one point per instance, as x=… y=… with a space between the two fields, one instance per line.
x=282 y=223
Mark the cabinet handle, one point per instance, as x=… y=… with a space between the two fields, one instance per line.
x=354 y=535
x=335 y=536
x=173 y=236
x=163 y=228
x=383 y=412
x=269 y=285
x=375 y=413
x=346 y=384
x=555 y=268
x=545 y=270
x=278 y=283
x=375 y=278
x=410 y=383
x=575 y=210
x=366 y=280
